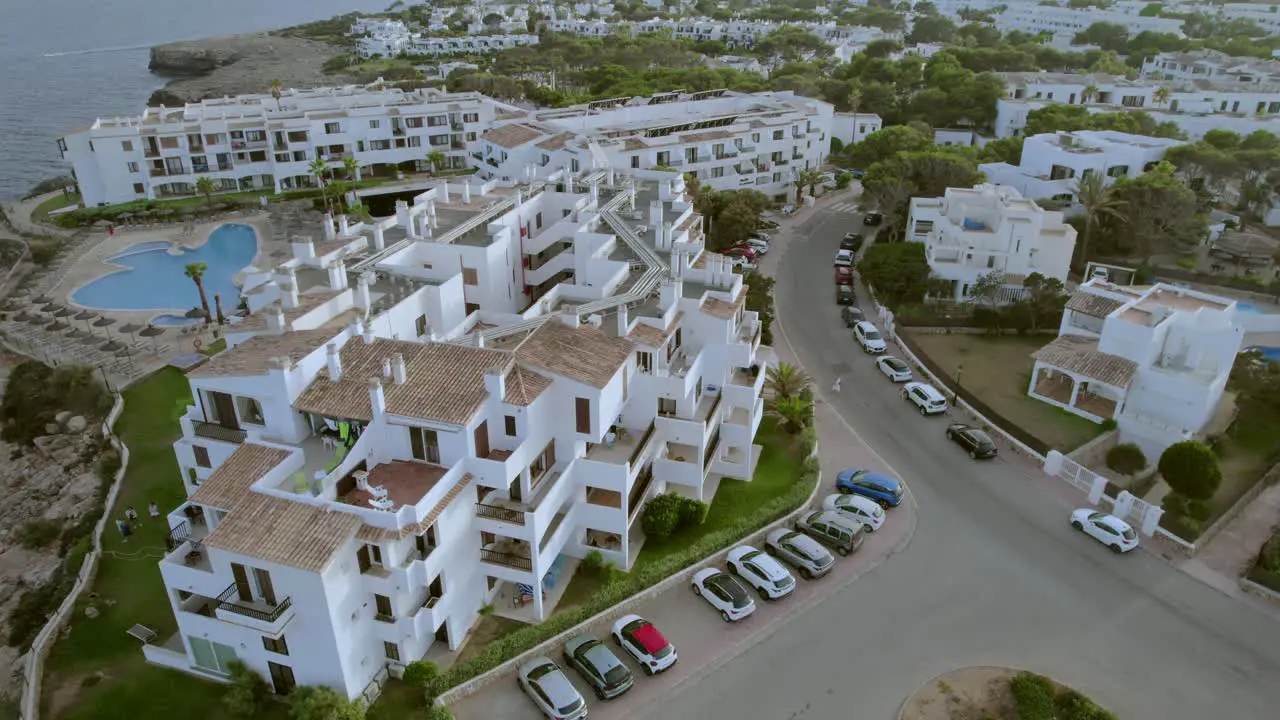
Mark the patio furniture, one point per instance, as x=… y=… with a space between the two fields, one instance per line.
x=143 y=633
x=382 y=503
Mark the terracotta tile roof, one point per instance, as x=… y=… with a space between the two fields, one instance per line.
x=306 y=303
x=444 y=381
x=1081 y=356
x=555 y=142
x=284 y=532
x=586 y=354
x=253 y=357
x=633 y=144
x=722 y=309
x=513 y=135
x=369 y=533
x=1092 y=305
x=706 y=136
x=524 y=386
x=431 y=517
x=646 y=334
x=229 y=483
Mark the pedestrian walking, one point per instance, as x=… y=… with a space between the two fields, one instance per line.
x=123 y=526
x=835 y=387
x=131 y=514
x=154 y=510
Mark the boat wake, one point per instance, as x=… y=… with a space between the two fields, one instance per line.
x=95 y=51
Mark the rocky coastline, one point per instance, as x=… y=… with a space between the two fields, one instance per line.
x=236 y=64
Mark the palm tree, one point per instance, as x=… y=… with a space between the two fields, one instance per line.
x=276 y=92
x=808 y=177
x=1089 y=93
x=351 y=167
x=435 y=158
x=786 y=380
x=217 y=305
x=319 y=169
x=195 y=271
x=204 y=186
x=792 y=413
x=1098 y=202
x=1161 y=96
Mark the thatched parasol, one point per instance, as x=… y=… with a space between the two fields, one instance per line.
x=111 y=346
x=64 y=312
x=153 y=332
x=56 y=326
x=105 y=322
x=129 y=329
x=42 y=300
x=85 y=316
x=50 y=307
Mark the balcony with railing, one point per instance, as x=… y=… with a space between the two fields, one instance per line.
x=621 y=446
x=501 y=514
x=214 y=431
x=508 y=555
x=257 y=614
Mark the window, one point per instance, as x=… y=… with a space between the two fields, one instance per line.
x=250 y=411
x=212 y=656
x=202 y=456
x=424 y=444
x=282 y=680
x=777 y=134
x=133 y=167
x=391 y=650
x=644 y=360
x=126 y=145
x=472 y=307
x=582 y=410
x=420 y=325
x=275 y=645
x=438 y=140
x=138 y=188
x=509 y=424
x=413 y=122
x=471 y=117
x=635 y=161
x=717 y=172
x=332 y=128
x=382 y=608
x=469 y=276
x=666 y=406
x=169 y=143
x=375 y=124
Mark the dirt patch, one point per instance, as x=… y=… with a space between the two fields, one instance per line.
x=64 y=690
x=490 y=628
x=973 y=693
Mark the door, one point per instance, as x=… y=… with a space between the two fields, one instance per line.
x=443 y=634
x=362 y=559
x=281 y=678
x=241 y=577
x=224 y=408
x=264 y=586
x=482 y=440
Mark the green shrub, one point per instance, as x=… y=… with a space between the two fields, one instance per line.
x=320 y=702
x=37 y=533
x=1108 y=425
x=34 y=607
x=1191 y=469
x=1175 y=504
x=1199 y=510
x=1126 y=459
x=438 y=712
x=1033 y=696
x=424 y=675
x=692 y=512
x=1071 y=705
x=247 y=692
x=592 y=562
x=661 y=516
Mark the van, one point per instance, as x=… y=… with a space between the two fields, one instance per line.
x=831 y=529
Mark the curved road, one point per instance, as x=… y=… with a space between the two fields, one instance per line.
x=993 y=576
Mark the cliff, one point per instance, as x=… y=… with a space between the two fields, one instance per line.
x=218 y=67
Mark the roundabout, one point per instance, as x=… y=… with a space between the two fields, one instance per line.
x=988 y=692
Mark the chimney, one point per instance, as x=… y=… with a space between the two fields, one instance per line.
x=337 y=275
x=466 y=193
x=480 y=341
x=624 y=320
x=335 y=363
x=386 y=368
x=403 y=218
x=495 y=382
x=668 y=238
x=444 y=191
x=570 y=317
x=275 y=320
x=344 y=226
x=655 y=213
x=289 y=290
x=329 y=231
x=379 y=242
x=366 y=332
x=377 y=400
x=398 y=371
x=363 y=299
x=595 y=192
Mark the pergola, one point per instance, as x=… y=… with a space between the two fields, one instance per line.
x=1073 y=374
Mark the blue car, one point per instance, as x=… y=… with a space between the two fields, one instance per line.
x=882 y=488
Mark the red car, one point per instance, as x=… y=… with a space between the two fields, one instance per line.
x=741 y=251
x=844 y=276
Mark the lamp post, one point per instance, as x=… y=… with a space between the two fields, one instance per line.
x=955 y=400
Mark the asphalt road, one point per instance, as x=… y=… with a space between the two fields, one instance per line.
x=994 y=575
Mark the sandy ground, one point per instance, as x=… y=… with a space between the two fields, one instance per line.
x=973 y=693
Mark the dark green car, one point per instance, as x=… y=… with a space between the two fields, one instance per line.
x=597 y=664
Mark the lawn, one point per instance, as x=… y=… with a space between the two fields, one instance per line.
x=998 y=371
x=1247 y=451
x=57 y=202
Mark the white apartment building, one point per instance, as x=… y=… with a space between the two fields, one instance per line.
x=1154 y=359
x=1194 y=106
x=1213 y=66
x=733 y=33
x=1035 y=18
x=729 y=140
x=1053 y=164
x=392 y=441
x=392 y=38
x=971 y=232
x=853 y=128
x=256 y=142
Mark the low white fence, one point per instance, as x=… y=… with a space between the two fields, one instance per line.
x=1125 y=505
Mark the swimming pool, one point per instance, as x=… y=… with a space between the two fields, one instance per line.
x=1268 y=353
x=155 y=277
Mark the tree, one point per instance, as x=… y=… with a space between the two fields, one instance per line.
x=931 y=29
x=1162 y=213
x=890 y=184
x=988 y=289
x=809 y=177
x=1161 y=96
x=1191 y=469
x=1108 y=36
x=217 y=306
x=276 y=92
x=1044 y=295
x=898 y=272
x=351 y=166
x=1098 y=203
x=785 y=380
x=661 y=516
x=1088 y=94
x=196 y=271
x=792 y=413
x=319 y=702
x=1006 y=150
x=246 y=693
x=789 y=43
x=1126 y=459
x=1256 y=382
x=319 y=169
x=204 y=186
x=436 y=159
x=885 y=144
x=731 y=215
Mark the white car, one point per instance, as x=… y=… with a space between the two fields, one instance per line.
x=760 y=246
x=1106 y=529
x=641 y=639
x=545 y=683
x=762 y=572
x=856 y=508
x=801 y=551
x=740 y=262
x=724 y=593
x=894 y=368
x=869 y=337
x=844 y=258
x=925 y=397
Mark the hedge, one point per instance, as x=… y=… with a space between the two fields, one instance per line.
x=527 y=638
x=1033 y=696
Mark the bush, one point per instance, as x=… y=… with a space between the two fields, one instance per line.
x=1191 y=469
x=1033 y=696
x=323 y=703
x=37 y=533
x=661 y=516
x=1126 y=459
x=34 y=607
x=592 y=562
x=692 y=512
x=36 y=392
x=1071 y=705
x=438 y=712
x=246 y=693
x=422 y=674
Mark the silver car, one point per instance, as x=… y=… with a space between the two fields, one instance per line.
x=545 y=683
x=800 y=551
x=597 y=664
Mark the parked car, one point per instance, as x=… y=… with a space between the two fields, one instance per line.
x=844 y=295
x=761 y=572
x=741 y=251
x=885 y=490
x=800 y=551
x=761 y=237
x=925 y=397
x=546 y=684
x=597 y=664
x=843 y=258
x=869 y=337
x=724 y=593
x=974 y=440
x=894 y=368
x=1100 y=273
x=767 y=224
x=741 y=262
x=844 y=275
x=760 y=246
x=856 y=509
x=642 y=640
x=851 y=241
x=851 y=316
x=1106 y=529
x=844 y=536
x=872 y=219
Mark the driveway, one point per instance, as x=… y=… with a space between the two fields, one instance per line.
x=993 y=574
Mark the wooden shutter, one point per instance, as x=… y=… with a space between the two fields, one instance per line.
x=243 y=589
x=582 y=407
